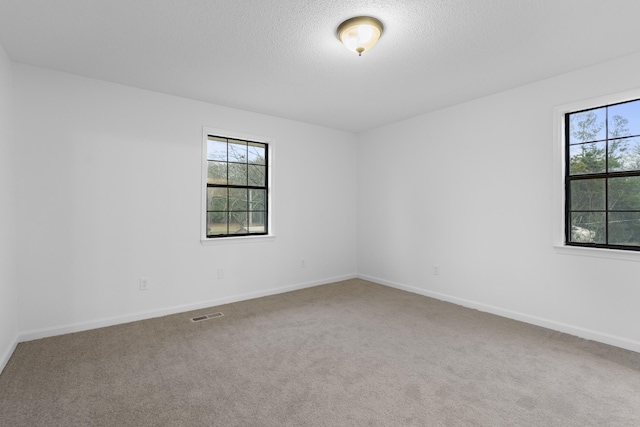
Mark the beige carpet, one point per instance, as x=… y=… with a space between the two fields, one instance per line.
x=347 y=354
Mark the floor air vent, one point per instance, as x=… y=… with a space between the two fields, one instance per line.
x=206 y=317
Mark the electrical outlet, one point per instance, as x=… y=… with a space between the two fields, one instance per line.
x=144 y=284
x=436 y=270
x=220 y=273
x=303 y=264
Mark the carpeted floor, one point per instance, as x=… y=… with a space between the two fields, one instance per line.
x=346 y=354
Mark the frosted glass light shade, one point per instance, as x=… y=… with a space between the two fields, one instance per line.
x=359 y=34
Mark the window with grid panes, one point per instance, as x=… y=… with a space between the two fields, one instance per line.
x=237 y=187
x=602 y=176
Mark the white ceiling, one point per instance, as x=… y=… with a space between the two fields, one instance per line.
x=281 y=57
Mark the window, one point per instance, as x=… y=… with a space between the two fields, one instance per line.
x=602 y=176
x=236 y=202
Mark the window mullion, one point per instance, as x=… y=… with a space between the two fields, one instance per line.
x=606 y=179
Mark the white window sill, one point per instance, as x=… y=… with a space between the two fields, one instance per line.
x=233 y=240
x=598 y=253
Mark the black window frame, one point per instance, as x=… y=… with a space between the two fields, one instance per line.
x=605 y=176
x=228 y=186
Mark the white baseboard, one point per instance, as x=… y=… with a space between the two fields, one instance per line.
x=534 y=320
x=4 y=358
x=101 y=323
x=577 y=331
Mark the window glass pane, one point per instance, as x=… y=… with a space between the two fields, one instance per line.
x=237 y=151
x=624 y=119
x=257 y=222
x=217 y=223
x=216 y=199
x=237 y=174
x=587 y=158
x=624 y=193
x=624 y=228
x=588 y=227
x=257 y=175
x=624 y=154
x=587 y=126
x=233 y=165
x=238 y=223
x=237 y=199
x=216 y=173
x=588 y=195
x=257 y=153
x=257 y=200
x=217 y=149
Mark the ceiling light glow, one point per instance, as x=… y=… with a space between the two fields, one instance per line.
x=360 y=34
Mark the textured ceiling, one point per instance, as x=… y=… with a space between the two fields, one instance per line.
x=281 y=57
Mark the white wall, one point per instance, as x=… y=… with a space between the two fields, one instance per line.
x=8 y=271
x=109 y=190
x=469 y=189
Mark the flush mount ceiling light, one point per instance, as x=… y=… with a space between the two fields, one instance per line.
x=360 y=33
